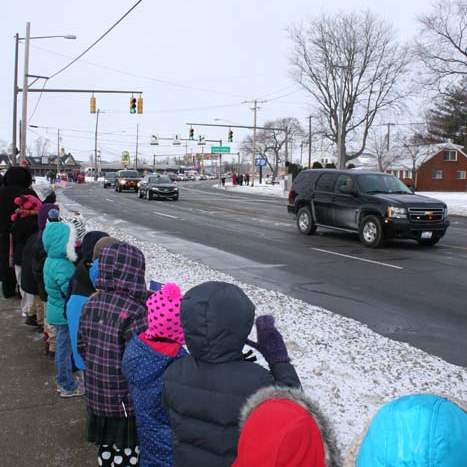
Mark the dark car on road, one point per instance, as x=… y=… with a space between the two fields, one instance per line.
x=127 y=180
x=375 y=205
x=109 y=179
x=159 y=187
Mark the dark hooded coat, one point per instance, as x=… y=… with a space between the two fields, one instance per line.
x=205 y=391
x=16 y=182
x=110 y=318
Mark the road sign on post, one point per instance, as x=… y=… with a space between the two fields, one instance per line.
x=260 y=162
x=220 y=149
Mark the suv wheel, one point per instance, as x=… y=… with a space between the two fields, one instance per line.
x=371 y=232
x=305 y=222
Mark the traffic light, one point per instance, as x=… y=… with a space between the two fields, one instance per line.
x=140 y=104
x=92 y=105
x=230 y=135
x=133 y=105
x=192 y=133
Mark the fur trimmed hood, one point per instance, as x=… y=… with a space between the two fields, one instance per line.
x=421 y=429
x=292 y=424
x=59 y=241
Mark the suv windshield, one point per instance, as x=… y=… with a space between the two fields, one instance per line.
x=376 y=183
x=163 y=179
x=128 y=173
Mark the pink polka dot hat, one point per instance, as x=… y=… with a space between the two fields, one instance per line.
x=164 y=314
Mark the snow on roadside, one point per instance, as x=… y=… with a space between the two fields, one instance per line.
x=347 y=368
x=259 y=189
x=456 y=201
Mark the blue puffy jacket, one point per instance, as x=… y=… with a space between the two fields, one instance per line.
x=144 y=368
x=421 y=430
x=59 y=243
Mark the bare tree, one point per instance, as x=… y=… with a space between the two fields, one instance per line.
x=384 y=152
x=353 y=68
x=274 y=144
x=41 y=146
x=442 y=44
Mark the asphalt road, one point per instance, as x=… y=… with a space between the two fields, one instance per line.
x=406 y=292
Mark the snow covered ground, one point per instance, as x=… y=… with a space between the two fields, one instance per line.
x=343 y=365
x=456 y=201
x=263 y=189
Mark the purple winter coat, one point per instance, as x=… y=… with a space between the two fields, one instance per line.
x=110 y=318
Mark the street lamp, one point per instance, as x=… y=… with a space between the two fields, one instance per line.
x=27 y=38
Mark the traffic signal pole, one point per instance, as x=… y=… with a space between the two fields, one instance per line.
x=95 y=146
x=24 y=116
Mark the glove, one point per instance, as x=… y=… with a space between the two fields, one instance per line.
x=249 y=356
x=270 y=342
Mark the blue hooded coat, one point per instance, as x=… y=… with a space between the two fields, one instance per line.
x=421 y=430
x=144 y=368
x=59 y=241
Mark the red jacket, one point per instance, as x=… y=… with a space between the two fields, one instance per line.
x=281 y=428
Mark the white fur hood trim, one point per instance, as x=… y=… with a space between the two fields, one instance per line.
x=299 y=397
x=71 y=244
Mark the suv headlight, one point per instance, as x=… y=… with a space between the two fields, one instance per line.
x=397 y=213
x=122 y=182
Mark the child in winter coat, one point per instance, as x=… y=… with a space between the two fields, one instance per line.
x=421 y=430
x=146 y=358
x=80 y=289
x=204 y=392
x=282 y=427
x=47 y=213
x=59 y=241
x=110 y=318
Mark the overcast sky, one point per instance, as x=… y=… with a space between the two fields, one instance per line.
x=194 y=61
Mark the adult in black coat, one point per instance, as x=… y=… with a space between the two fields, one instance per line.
x=204 y=392
x=16 y=182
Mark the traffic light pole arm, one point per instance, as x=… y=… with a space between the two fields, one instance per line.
x=236 y=126
x=93 y=91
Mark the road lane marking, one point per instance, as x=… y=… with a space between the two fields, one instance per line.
x=358 y=259
x=165 y=215
x=453 y=246
x=108 y=199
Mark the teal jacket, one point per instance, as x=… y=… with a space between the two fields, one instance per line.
x=59 y=241
x=421 y=430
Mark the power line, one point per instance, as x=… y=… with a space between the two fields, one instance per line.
x=61 y=70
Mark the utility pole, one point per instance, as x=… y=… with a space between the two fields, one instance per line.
x=253 y=157
x=24 y=118
x=154 y=163
x=340 y=124
x=309 y=142
x=136 y=150
x=15 y=103
x=58 y=151
x=388 y=144
x=95 y=146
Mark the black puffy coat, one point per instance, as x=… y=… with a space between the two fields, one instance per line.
x=28 y=282
x=204 y=392
x=16 y=182
x=37 y=265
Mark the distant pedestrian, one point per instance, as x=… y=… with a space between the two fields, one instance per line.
x=205 y=391
x=145 y=360
x=109 y=320
x=247 y=179
x=240 y=180
x=59 y=239
x=234 y=179
x=223 y=181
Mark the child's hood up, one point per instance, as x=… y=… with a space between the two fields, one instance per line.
x=121 y=270
x=59 y=241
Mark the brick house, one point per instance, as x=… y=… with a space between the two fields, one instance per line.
x=440 y=167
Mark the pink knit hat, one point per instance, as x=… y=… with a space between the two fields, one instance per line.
x=164 y=314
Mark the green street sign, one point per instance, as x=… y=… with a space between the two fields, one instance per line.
x=220 y=149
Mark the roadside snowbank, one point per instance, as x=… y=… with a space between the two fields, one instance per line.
x=263 y=189
x=456 y=201
x=347 y=368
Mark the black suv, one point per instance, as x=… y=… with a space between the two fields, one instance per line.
x=158 y=186
x=376 y=205
x=109 y=179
